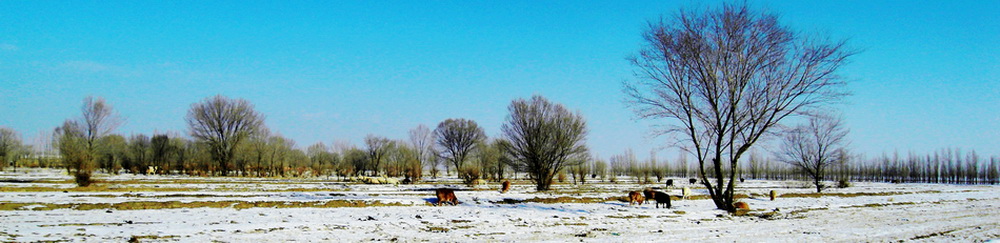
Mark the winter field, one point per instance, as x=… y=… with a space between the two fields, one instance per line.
x=45 y=205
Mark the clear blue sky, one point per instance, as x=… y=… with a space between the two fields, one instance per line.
x=928 y=76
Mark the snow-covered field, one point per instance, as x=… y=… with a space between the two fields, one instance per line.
x=44 y=205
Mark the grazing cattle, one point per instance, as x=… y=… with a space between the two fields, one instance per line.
x=658 y=197
x=635 y=197
x=693 y=180
x=446 y=195
x=505 y=186
x=742 y=180
x=407 y=181
x=741 y=205
x=774 y=194
x=670 y=182
x=685 y=193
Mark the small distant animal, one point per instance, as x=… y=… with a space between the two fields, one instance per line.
x=741 y=205
x=742 y=180
x=658 y=197
x=693 y=180
x=685 y=193
x=505 y=186
x=774 y=195
x=445 y=195
x=670 y=182
x=407 y=181
x=635 y=197
x=478 y=182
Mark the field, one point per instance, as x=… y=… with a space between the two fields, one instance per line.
x=44 y=205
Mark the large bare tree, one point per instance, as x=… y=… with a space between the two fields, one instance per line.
x=814 y=147
x=724 y=78
x=223 y=124
x=456 y=139
x=544 y=138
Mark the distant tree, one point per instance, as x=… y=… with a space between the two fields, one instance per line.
x=456 y=139
x=485 y=157
x=320 y=157
x=223 y=123
x=655 y=169
x=10 y=141
x=139 y=153
x=815 y=147
x=377 y=148
x=182 y=152
x=754 y=165
x=79 y=140
x=72 y=147
x=355 y=161
x=580 y=172
x=600 y=168
x=624 y=164
x=619 y=165
x=395 y=159
x=114 y=153
x=684 y=170
x=160 y=151
x=544 y=138
x=422 y=141
x=405 y=161
x=256 y=150
x=993 y=172
x=280 y=153
x=724 y=78
x=503 y=160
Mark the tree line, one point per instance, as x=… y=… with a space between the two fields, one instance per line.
x=227 y=137
x=443 y=151
x=942 y=166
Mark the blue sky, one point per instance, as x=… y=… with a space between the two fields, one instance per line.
x=928 y=77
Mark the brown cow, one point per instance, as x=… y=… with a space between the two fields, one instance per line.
x=505 y=186
x=741 y=205
x=446 y=195
x=659 y=197
x=635 y=197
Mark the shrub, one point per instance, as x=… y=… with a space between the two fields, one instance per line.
x=843 y=183
x=469 y=173
x=83 y=178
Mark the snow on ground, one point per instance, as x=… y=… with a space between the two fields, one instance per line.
x=873 y=212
